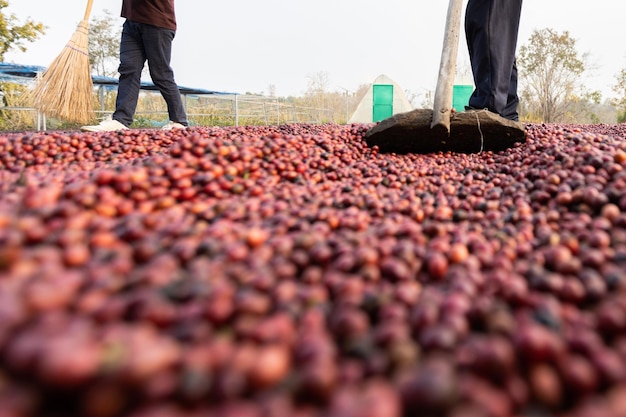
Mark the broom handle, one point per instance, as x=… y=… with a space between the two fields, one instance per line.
x=443 y=93
x=88 y=11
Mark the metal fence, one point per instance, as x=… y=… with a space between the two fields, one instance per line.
x=218 y=110
x=204 y=107
x=39 y=120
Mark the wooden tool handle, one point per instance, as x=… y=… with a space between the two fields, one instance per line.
x=442 y=107
x=88 y=10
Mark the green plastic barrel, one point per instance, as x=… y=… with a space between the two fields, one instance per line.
x=460 y=96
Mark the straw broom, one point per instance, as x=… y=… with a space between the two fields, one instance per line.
x=65 y=88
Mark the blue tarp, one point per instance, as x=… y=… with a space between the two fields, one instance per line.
x=24 y=74
x=20 y=74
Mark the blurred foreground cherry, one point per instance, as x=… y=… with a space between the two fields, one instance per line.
x=292 y=270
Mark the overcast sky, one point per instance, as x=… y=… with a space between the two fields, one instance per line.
x=247 y=45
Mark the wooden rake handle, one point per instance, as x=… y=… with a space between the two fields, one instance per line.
x=442 y=107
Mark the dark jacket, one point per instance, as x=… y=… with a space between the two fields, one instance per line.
x=158 y=13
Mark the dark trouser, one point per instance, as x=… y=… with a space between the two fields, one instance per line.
x=141 y=42
x=491 y=28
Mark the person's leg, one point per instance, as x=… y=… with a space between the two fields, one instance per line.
x=510 y=110
x=132 y=59
x=491 y=28
x=158 y=44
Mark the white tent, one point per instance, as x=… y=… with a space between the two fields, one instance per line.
x=383 y=99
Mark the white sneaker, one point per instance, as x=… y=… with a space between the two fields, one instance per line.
x=105 y=126
x=173 y=125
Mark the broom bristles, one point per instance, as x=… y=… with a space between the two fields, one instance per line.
x=65 y=88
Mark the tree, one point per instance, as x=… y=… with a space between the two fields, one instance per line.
x=550 y=68
x=104 y=45
x=620 y=101
x=428 y=100
x=317 y=93
x=13 y=35
x=272 y=90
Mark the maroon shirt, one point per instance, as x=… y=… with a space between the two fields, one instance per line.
x=158 y=13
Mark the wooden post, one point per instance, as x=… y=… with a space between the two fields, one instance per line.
x=447 y=69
